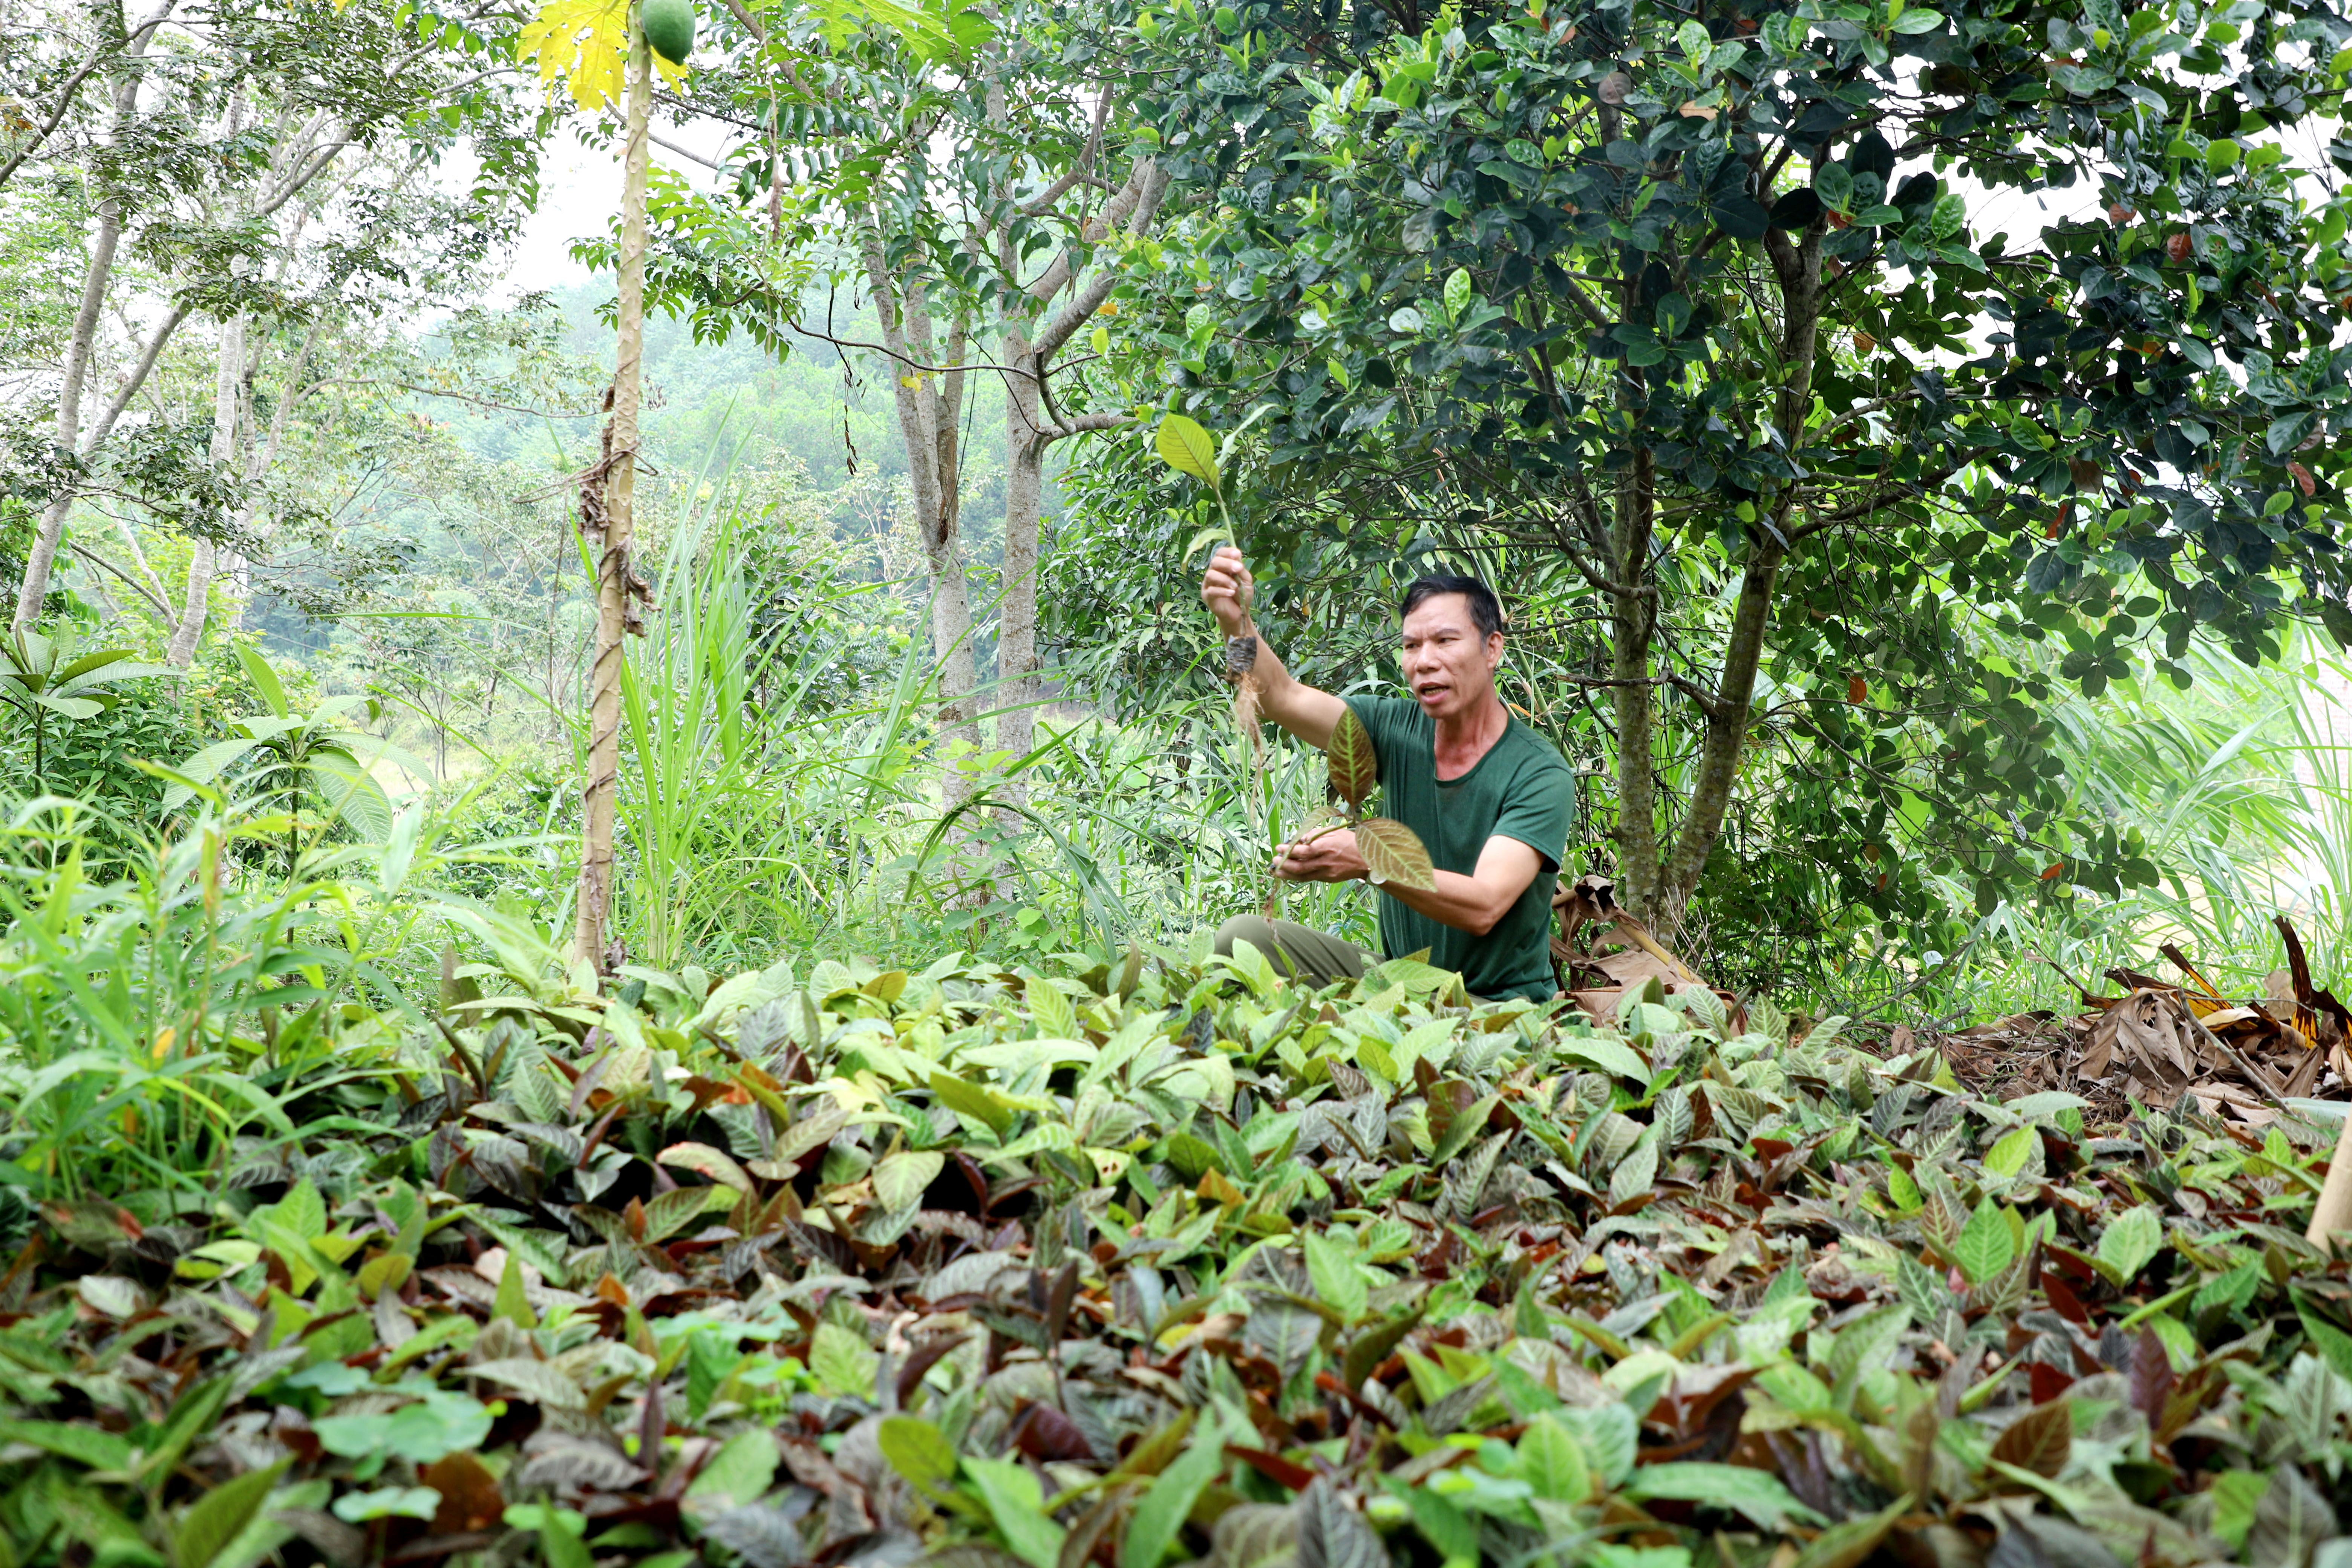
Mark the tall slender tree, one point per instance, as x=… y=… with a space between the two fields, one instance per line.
x=598 y=50
x=981 y=173
x=608 y=517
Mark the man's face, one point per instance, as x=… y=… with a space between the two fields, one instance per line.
x=1448 y=667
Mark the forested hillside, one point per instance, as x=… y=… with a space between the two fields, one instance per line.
x=1289 y=783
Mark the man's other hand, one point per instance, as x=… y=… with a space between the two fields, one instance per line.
x=1331 y=857
x=1227 y=590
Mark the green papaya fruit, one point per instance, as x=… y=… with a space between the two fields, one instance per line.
x=669 y=28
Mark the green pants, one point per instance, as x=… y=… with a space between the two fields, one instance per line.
x=1300 y=952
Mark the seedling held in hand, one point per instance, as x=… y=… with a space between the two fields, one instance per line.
x=1391 y=851
x=1184 y=446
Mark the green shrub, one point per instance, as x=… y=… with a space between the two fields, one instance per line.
x=95 y=759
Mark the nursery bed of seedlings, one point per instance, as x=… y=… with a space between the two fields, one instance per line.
x=1170 y=1260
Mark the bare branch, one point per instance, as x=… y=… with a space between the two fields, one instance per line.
x=136 y=379
x=458 y=397
x=162 y=610
x=1146 y=186
x=1144 y=180
x=1059 y=188
x=1084 y=423
x=687 y=152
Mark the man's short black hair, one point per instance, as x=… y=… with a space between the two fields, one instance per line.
x=1485 y=610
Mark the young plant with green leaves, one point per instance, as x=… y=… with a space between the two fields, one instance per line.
x=1297 y=1275
x=1392 y=852
x=303 y=759
x=47 y=676
x=1184 y=446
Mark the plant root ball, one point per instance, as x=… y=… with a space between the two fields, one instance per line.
x=669 y=28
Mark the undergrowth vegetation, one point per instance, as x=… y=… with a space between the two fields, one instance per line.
x=1132 y=1261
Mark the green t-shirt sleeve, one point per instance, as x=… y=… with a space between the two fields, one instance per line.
x=1537 y=808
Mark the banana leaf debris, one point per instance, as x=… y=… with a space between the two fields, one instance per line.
x=1170 y=1261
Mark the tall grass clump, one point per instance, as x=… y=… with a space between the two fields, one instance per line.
x=187 y=1025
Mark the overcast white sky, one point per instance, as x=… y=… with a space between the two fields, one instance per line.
x=580 y=187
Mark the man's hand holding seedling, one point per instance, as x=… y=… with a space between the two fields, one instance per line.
x=1331 y=856
x=1228 y=590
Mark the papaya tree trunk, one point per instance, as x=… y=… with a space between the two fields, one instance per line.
x=607 y=515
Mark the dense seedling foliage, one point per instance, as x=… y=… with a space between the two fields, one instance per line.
x=1139 y=1262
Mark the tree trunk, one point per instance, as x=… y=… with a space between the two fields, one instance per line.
x=607 y=510
x=1632 y=616
x=228 y=400
x=1798 y=265
x=928 y=395
x=1025 y=490
x=951 y=627
x=43 y=556
x=1028 y=433
x=1726 y=732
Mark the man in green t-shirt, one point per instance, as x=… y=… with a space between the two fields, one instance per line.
x=1489 y=796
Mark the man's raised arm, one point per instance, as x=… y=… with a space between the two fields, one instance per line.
x=1306 y=712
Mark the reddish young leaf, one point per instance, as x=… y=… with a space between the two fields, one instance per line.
x=1043 y=1432
x=1274 y=1466
x=2062 y=1299
x=2046 y=1383
x=2151 y=1376
x=2039 y=1440
x=470 y=1499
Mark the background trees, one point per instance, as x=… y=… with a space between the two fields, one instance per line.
x=1831 y=391
x=255 y=193
x=1825 y=356
x=973 y=174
